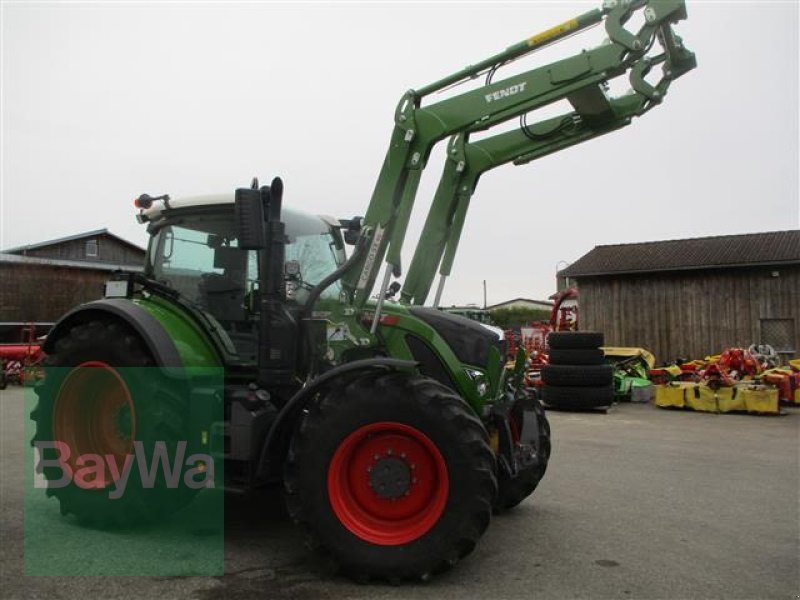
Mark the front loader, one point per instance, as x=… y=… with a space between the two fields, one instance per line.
x=466 y=162
x=395 y=429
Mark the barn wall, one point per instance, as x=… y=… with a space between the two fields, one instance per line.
x=110 y=250
x=45 y=292
x=690 y=314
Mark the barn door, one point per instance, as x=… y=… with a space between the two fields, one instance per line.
x=779 y=333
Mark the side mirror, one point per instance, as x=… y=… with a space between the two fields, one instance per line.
x=351 y=228
x=249 y=209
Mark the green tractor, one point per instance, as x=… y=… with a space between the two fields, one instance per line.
x=395 y=428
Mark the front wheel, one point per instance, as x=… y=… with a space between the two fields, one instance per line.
x=530 y=432
x=393 y=476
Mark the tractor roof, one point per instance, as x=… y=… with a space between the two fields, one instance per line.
x=155 y=211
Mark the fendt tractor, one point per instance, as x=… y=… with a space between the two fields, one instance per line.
x=396 y=428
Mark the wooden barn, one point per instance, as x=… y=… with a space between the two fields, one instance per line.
x=693 y=297
x=40 y=282
x=98 y=246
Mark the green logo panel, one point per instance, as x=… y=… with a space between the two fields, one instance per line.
x=122 y=476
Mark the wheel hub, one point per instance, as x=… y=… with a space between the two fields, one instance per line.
x=94 y=414
x=390 y=478
x=388 y=483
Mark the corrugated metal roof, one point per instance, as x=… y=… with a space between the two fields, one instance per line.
x=69 y=238
x=6 y=258
x=726 y=251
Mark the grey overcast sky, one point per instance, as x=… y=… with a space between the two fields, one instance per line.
x=103 y=101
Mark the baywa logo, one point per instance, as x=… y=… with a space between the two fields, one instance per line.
x=511 y=90
x=95 y=471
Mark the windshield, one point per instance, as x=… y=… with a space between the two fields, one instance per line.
x=198 y=256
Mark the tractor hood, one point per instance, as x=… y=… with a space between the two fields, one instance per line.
x=469 y=340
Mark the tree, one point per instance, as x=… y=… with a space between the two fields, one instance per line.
x=512 y=318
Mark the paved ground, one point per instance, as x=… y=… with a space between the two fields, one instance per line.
x=639 y=503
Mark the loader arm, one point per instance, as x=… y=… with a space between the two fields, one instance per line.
x=467 y=161
x=418 y=128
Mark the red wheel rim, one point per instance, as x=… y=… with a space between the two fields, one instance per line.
x=409 y=511
x=94 y=414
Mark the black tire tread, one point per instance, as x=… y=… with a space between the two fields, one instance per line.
x=575 y=339
x=576 y=356
x=578 y=375
x=431 y=397
x=577 y=398
x=511 y=492
x=82 y=343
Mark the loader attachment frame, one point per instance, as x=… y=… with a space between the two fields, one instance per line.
x=467 y=161
x=581 y=76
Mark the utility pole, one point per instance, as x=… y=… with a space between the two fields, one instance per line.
x=484 y=294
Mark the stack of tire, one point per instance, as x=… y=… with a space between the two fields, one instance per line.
x=577 y=377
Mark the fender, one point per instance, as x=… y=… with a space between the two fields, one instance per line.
x=149 y=329
x=277 y=436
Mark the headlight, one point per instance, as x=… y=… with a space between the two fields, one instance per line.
x=479 y=379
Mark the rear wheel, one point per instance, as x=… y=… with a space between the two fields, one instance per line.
x=100 y=394
x=393 y=476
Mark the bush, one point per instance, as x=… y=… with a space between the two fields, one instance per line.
x=512 y=318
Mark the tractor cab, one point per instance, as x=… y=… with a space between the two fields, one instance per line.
x=194 y=251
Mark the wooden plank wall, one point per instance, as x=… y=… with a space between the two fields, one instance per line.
x=691 y=313
x=110 y=251
x=46 y=292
